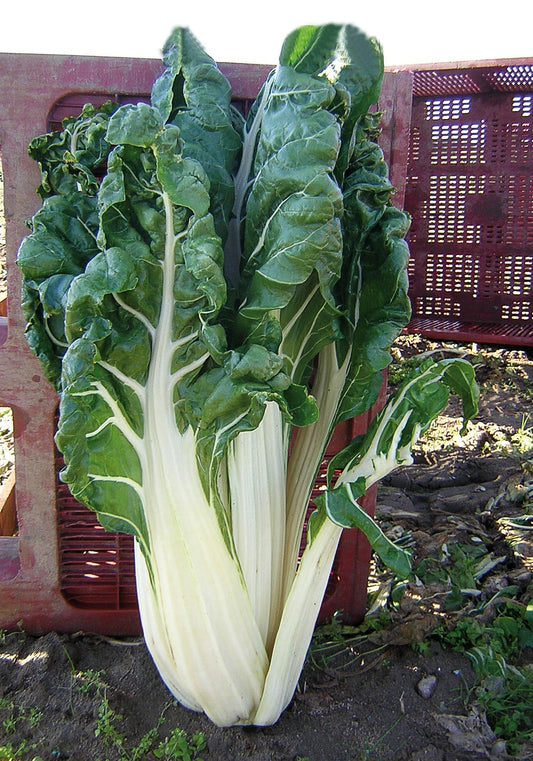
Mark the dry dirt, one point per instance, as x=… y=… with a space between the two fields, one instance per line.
x=363 y=703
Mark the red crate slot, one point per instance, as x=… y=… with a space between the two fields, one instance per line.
x=469 y=191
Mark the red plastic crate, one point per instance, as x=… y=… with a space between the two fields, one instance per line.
x=62 y=571
x=470 y=194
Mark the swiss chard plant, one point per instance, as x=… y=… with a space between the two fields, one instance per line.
x=210 y=296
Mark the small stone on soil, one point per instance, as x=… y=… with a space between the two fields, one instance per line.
x=426 y=686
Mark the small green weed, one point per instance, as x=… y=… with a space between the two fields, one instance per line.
x=492 y=634
x=400 y=370
x=177 y=746
x=522 y=440
x=9 y=723
x=13 y=716
x=35 y=716
x=327 y=640
x=88 y=679
x=507 y=701
x=518 y=445
x=460 y=567
x=107 y=729
x=340 y=646
x=17 y=715
x=5 y=635
x=503 y=689
x=9 y=752
x=84 y=681
x=510 y=631
x=106 y=724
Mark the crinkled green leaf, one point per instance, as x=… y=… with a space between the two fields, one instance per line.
x=138 y=125
x=388 y=442
x=194 y=95
x=72 y=158
x=373 y=287
x=62 y=241
x=351 y=61
x=292 y=253
x=103 y=470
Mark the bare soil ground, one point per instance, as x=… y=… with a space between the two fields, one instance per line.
x=386 y=690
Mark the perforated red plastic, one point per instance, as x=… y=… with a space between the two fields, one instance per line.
x=469 y=191
x=96 y=567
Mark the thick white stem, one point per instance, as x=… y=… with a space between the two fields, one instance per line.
x=257 y=475
x=297 y=624
x=205 y=640
x=307 y=453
